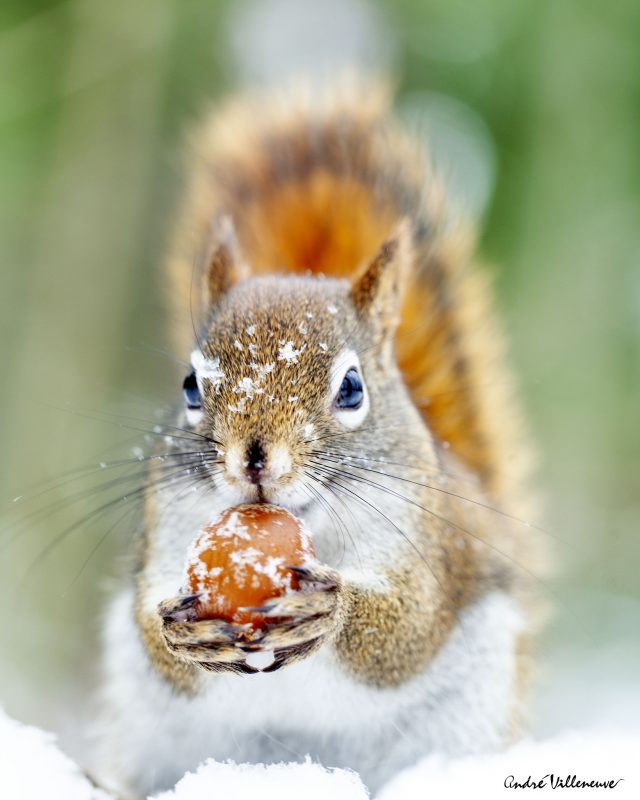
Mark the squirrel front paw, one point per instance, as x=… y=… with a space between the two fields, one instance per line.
x=299 y=623
x=208 y=643
x=296 y=625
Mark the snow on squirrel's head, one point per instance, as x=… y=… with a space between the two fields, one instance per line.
x=295 y=374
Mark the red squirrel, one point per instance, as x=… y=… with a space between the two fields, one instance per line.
x=349 y=368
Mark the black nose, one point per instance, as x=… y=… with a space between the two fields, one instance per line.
x=255 y=462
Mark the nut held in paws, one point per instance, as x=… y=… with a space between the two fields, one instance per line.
x=240 y=561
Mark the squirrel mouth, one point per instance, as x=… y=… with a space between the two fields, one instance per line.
x=260 y=496
x=294 y=508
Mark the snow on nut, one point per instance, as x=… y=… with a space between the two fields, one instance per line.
x=240 y=561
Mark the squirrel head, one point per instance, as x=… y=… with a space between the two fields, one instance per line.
x=295 y=370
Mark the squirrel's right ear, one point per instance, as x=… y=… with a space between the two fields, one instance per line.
x=377 y=293
x=223 y=266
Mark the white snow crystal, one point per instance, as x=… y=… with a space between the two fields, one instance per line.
x=238 y=344
x=263 y=370
x=32 y=767
x=323 y=346
x=288 y=353
x=332 y=309
x=248 y=387
x=251 y=329
x=207 y=368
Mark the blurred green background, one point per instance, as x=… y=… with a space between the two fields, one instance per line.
x=533 y=111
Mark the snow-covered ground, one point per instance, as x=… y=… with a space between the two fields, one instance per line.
x=32 y=767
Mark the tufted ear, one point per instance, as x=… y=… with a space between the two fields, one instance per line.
x=223 y=266
x=377 y=293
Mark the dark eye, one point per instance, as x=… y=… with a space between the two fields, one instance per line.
x=191 y=391
x=350 y=394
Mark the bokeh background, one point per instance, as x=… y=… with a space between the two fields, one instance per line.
x=532 y=111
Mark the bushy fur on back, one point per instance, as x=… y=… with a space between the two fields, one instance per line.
x=314 y=183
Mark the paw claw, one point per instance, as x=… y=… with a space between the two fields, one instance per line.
x=179 y=609
x=256 y=609
x=301 y=572
x=248 y=669
x=316 y=577
x=301 y=605
x=285 y=637
x=291 y=655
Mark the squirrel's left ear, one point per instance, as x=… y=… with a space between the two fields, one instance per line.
x=223 y=266
x=377 y=293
